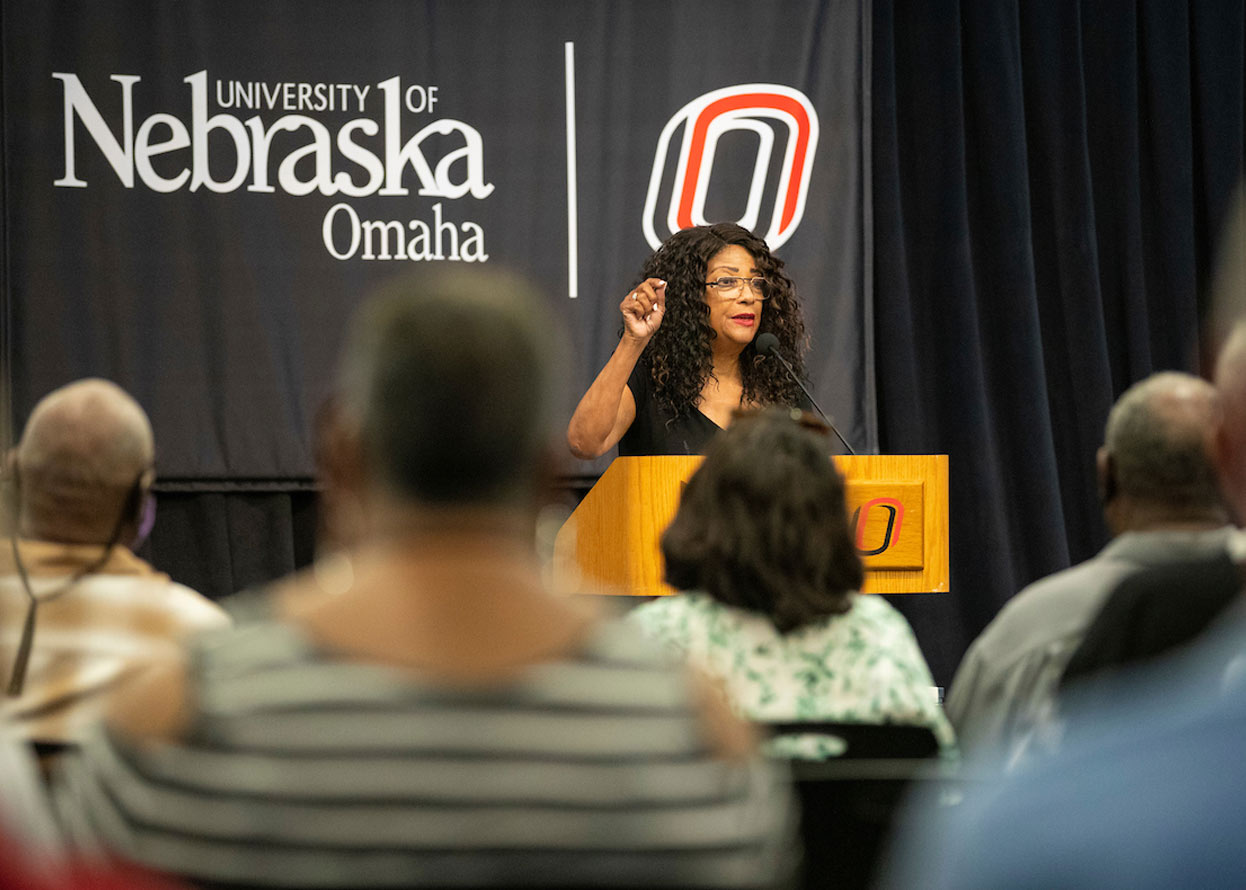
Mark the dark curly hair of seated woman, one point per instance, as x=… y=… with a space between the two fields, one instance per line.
x=762 y=525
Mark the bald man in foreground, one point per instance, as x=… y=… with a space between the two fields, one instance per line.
x=80 y=614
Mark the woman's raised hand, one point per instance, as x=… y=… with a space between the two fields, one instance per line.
x=643 y=308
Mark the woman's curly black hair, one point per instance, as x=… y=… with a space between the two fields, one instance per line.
x=679 y=355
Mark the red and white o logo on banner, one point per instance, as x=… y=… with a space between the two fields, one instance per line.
x=755 y=107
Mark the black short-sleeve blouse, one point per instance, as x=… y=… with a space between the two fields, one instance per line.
x=655 y=430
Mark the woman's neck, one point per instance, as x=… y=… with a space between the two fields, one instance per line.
x=723 y=392
x=725 y=363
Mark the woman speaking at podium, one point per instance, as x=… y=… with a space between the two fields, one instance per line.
x=686 y=359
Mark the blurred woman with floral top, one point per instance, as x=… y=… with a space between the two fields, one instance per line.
x=761 y=547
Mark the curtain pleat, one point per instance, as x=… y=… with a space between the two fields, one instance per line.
x=1049 y=181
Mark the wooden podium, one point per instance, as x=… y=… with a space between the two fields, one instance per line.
x=900 y=504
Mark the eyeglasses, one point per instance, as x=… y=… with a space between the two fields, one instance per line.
x=731 y=285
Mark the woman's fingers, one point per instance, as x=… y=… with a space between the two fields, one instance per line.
x=636 y=304
x=644 y=306
x=659 y=294
x=651 y=294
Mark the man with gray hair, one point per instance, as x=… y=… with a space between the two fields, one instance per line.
x=1148 y=786
x=1153 y=613
x=1162 y=503
x=80 y=614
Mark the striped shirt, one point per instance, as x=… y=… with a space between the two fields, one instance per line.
x=90 y=637
x=304 y=770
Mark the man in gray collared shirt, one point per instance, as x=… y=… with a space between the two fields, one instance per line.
x=1161 y=501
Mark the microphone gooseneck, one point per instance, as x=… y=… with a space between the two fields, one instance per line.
x=768 y=344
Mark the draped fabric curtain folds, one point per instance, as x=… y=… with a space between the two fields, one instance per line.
x=220 y=539
x=1049 y=181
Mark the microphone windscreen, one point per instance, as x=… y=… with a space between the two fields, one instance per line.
x=767 y=343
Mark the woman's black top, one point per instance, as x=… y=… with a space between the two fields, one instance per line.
x=656 y=431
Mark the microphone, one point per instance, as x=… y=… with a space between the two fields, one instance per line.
x=768 y=344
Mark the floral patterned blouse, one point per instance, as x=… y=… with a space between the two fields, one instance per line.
x=863 y=666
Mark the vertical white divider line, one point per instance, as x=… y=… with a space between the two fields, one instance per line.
x=573 y=247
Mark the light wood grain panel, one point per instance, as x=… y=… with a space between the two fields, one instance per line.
x=610 y=543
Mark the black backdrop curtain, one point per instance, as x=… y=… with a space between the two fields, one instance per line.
x=219 y=540
x=1049 y=179
x=1048 y=182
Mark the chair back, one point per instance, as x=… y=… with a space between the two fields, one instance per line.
x=849 y=803
x=868 y=740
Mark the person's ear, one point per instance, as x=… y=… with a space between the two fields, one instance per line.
x=343 y=473
x=1105 y=470
x=10 y=490
x=142 y=490
x=341 y=455
x=141 y=508
x=1229 y=470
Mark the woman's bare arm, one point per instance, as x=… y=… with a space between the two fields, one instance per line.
x=608 y=408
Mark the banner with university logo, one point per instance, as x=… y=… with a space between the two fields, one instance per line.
x=197 y=195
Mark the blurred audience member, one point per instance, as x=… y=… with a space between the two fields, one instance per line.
x=32 y=850
x=31 y=847
x=441 y=719
x=761 y=545
x=1161 y=501
x=1148 y=787
x=1154 y=613
x=1148 y=790
x=1228 y=304
x=80 y=614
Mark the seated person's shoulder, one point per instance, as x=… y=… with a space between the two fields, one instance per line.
x=662 y=615
x=1154 y=611
x=158 y=705
x=196 y=611
x=682 y=617
x=155 y=706
x=873 y=614
x=726 y=734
